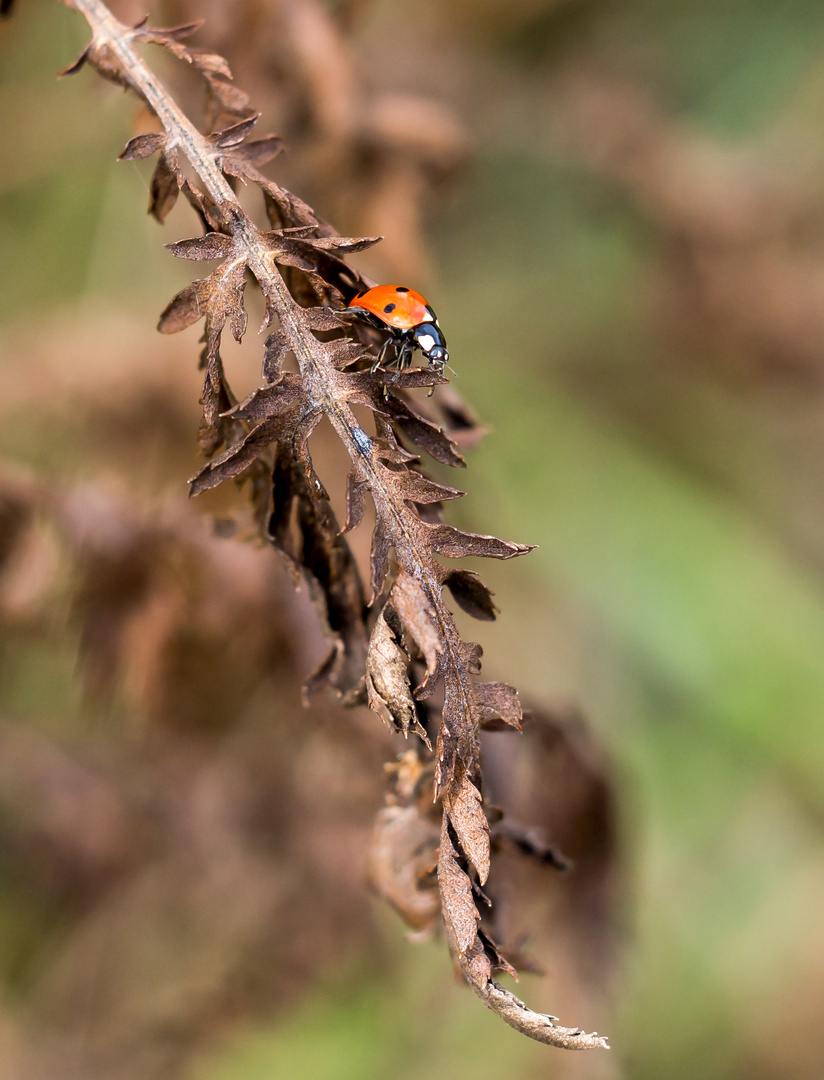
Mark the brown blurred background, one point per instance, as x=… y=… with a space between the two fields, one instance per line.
x=618 y=212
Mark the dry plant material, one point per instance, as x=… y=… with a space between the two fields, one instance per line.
x=299 y=265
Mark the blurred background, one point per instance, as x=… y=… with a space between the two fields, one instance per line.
x=618 y=212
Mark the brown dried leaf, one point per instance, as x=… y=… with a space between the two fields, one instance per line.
x=327 y=562
x=410 y=379
x=237 y=459
x=499 y=961
x=283 y=411
x=460 y=915
x=498 y=703
x=213 y=245
x=76 y=65
x=402 y=852
x=379 y=562
x=418 y=617
x=228 y=97
x=234 y=135
x=323 y=318
x=283 y=207
x=387 y=679
x=418 y=488
x=455 y=544
x=165 y=185
x=143 y=146
x=210 y=65
x=356 y=489
x=341 y=353
x=271 y=400
x=463 y=803
x=259 y=151
x=471 y=594
x=423 y=432
x=210 y=216
x=185 y=308
x=275 y=349
x=164 y=35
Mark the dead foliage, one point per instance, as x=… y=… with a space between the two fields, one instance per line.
x=399 y=650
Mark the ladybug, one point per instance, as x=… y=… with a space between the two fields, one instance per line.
x=411 y=322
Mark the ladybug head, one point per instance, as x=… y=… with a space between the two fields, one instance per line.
x=430 y=341
x=438 y=358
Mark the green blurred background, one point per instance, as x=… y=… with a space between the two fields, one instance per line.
x=618 y=213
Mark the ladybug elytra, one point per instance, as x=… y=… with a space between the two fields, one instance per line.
x=411 y=322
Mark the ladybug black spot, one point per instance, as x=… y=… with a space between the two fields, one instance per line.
x=401 y=288
x=389 y=308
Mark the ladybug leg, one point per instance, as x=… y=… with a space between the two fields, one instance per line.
x=382 y=354
x=400 y=359
x=405 y=355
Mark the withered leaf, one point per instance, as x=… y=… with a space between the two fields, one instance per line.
x=381 y=547
x=210 y=64
x=213 y=245
x=163 y=35
x=418 y=617
x=300 y=445
x=283 y=207
x=455 y=544
x=346 y=244
x=285 y=414
x=143 y=146
x=471 y=594
x=164 y=187
x=498 y=702
x=259 y=151
x=218 y=297
x=232 y=136
x=477 y=965
x=185 y=308
x=216 y=430
x=341 y=352
x=316 y=253
x=387 y=681
x=418 y=488
x=301 y=523
x=404 y=846
x=275 y=349
x=210 y=216
x=106 y=63
x=227 y=96
x=410 y=379
x=423 y=432
x=464 y=805
x=323 y=318
x=77 y=64
x=388 y=450
x=499 y=961
x=271 y=400
x=234 y=461
x=328 y=564
x=456 y=737
x=460 y=915
x=356 y=489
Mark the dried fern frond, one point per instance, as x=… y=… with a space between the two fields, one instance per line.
x=402 y=647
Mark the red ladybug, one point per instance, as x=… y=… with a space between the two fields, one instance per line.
x=411 y=322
